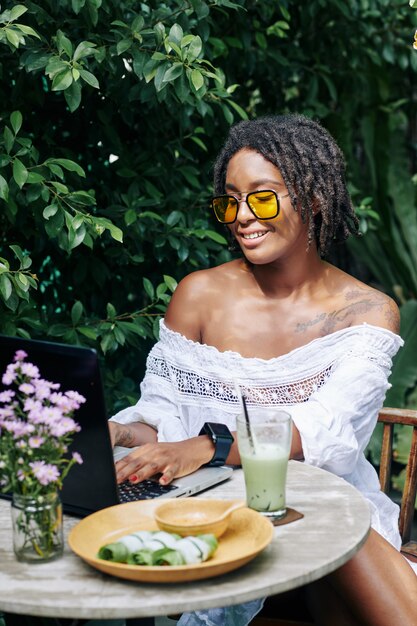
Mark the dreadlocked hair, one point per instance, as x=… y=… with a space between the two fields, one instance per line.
x=312 y=166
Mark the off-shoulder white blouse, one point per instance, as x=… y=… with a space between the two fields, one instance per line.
x=333 y=387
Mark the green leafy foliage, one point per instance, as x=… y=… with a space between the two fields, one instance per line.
x=111 y=118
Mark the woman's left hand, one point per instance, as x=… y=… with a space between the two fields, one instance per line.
x=169 y=459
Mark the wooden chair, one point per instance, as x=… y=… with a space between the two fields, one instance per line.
x=390 y=417
x=297 y=615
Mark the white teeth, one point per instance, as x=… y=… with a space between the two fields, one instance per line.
x=254 y=235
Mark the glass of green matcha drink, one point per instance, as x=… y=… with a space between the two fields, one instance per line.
x=264 y=441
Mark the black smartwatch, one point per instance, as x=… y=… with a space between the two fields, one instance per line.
x=222 y=439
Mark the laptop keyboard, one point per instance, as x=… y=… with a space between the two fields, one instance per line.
x=146 y=490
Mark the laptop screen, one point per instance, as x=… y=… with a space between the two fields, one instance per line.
x=92 y=485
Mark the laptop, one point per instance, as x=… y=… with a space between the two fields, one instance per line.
x=92 y=486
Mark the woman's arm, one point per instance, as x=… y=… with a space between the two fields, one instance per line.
x=131 y=435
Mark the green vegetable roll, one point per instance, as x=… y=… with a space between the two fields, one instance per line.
x=159 y=548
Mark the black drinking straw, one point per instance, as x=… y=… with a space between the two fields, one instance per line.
x=248 y=428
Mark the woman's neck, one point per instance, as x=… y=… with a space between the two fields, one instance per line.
x=289 y=277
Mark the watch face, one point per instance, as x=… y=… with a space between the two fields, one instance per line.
x=220 y=430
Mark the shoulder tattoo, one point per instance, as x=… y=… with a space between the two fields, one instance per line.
x=359 y=302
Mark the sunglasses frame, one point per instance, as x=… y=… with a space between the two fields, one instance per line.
x=230 y=195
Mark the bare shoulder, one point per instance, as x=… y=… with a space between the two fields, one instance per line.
x=369 y=305
x=191 y=299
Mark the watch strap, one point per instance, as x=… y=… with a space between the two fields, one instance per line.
x=222 y=444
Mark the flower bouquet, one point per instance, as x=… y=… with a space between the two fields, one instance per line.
x=36 y=428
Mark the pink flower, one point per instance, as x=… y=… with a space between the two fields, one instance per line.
x=45 y=473
x=77 y=397
x=26 y=388
x=6 y=396
x=6 y=412
x=18 y=428
x=10 y=374
x=35 y=429
x=50 y=415
x=36 y=441
x=77 y=458
x=42 y=388
x=63 y=426
x=30 y=370
x=20 y=355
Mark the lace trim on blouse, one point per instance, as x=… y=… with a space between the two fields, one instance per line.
x=191 y=385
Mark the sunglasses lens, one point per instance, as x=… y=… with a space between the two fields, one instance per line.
x=225 y=208
x=264 y=204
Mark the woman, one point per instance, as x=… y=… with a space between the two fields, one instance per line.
x=296 y=332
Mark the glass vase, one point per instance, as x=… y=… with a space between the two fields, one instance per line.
x=37 y=527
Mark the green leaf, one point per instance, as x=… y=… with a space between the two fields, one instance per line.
x=59 y=187
x=50 y=211
x=27 y=30
x=194 y=49
x=72 y=96
x=197 y=79
x=56 y=169
x=149 y=288
x=8 y=139
x=23 y=281
x=174 y=218
x=212 y=234
x=124 y=45
x=170 y=282
x=76 y=236
x=12 y=37
x=36 y=60
x=64 y=44
x=5 y=286
x=227 y=113
x=62 y=80
x=16 y=121
x=173 y=72
x=18 y=252
x=56 y=66
x=77 y=5
x=181 y=88
x=12 y=302
x=175 y=34
x=76 y=312
x=90 y=79
x=102 y=224
x=200 y=143
x=20 y=172
x=90 y=333
x=34 y=178
x=17 y=11
x=4 y=189
x=238 y=109
x=69 y=165
x=84 y=49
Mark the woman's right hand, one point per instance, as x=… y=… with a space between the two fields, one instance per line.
x=170 y=460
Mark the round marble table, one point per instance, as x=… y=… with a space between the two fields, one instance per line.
x=335 y=524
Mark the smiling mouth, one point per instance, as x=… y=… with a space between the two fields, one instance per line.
x=254 y=235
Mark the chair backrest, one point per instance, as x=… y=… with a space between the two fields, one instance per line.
x=389 y=417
